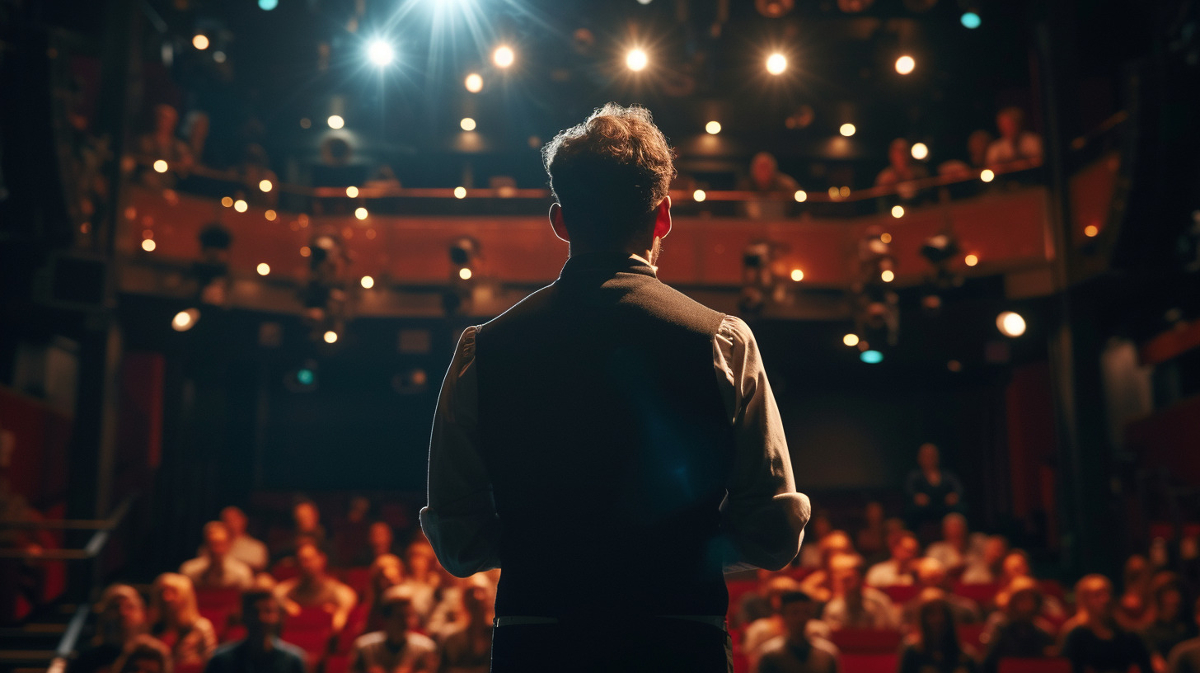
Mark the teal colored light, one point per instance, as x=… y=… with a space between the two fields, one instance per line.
x=871 y=357
x=971 y=20
x=267 y=5
x=305 y=377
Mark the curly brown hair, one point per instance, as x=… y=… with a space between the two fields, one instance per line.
x=610 y=173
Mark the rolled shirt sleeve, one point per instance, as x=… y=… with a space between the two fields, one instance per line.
x=460 y=518
x=763 y=515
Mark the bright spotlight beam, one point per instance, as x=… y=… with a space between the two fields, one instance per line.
x=637 y=60
x=380 y=53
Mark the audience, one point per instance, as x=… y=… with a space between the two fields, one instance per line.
x=819 y=584
x=934 y=646
x=1169 y=624
x=176 y=621
x=1019 y=633
x=1015 y=142
x=121 y=618
x=1097 y=642
x=816 y=530
x=855 y=605
x=261 y=651
x=312 y=587
x=931 y=574
x=796 y=651
x=901 y=170
x=872 y=539
x=216 y=568
x=760 y=631
x=380 y=539
x=144 y=654
x=1185 y=658
x=421 y=578
x=395 y=648
x=766 y=178
x=932 y=491
x=897 y=570
x=241 y=546
x=956 y=549
x=988 y=567
x=467 y=648
x=1133 y=609
x=386 y=571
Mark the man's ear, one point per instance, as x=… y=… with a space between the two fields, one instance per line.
x=556 y=222
x=662 y=218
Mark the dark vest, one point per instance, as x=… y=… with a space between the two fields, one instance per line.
x=606 y=439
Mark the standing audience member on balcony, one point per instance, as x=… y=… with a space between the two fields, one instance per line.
x=899 y=569
x=241 y=546
x=1014 y=143
x=1170 y=623
x=1098 y=643
x=977 y=147
x=216 y=568
x=796 y=651
x=958 y=547
x=934 y=647
x=312 y=587
x=144 y=654
x=901 y=170
x=1019 y=632
x=395 y=648
x=121 y=618
x=261 y=651
x=766 y=178
x=1185 y=658
x=932 y=492
x=819 y=584
x=988 y=568
x=872 y=539
x=163 y=144
x=855 y=605
x=176 y=621
x=931 y=574
x=468 y=648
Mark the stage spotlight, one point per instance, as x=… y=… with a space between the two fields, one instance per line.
x=265 y=185
x=1091 y=231
x=987 y=175
x=503 y=57
x=360 y=213
x=149 y=245
x=637 y=60
x=227 y=201
x=971 y=20
x=336 y=122
x=474 y=83
x=267 y=5
x=644 y=2
x=460 y=192
x=713 y=127
x=330 y=336
x=797 y=275
x=367 y=282
x=897 y=212
x=801 y=196
x=352 y=191
x=241 y=206
x=185 y=320
x=905 y=64
x=971 y=260
x=380 y=53
x=920 y=151
x=465 y=273
x=850 y=340
x=263 y=269
x=467 y=124
x=160 y=166
x=847 y=130
x=871 y=357
x=200 y=42
x=887 y=275
x=777 y=63
x=699 y=195
x=270 y=215
x=1010 y=324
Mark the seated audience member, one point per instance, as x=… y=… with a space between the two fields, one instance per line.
x=855 y=605
x=468 y=648
x=313 y=587
x=175 y=620
x=818 y=527
x=931 y=575
x=897 y=570
x=767 y=628
x=819 y=584
x=351 y=534
x=766 y=178
x=901 y=170
x=395 y=648
x=380 y=539
x=121 y=618
x=1098 y=643
x=934 y=647
x=161 y=143
x=1019 y=632
x=872 y=540
x=1015 y=142
x=977 y=147
x=988 y=568
x=796 y=651
x=1170 y=623
x=216 y=568
x=255 y=168
x=958 y=547
x=1185 y=658
x=1016 y=567
x=1133 y=609
x=932 y=491
x=261 y=651
x=755 y=605
x=421 y=577
x=241 y=546
x=144 y=654
x=387 y=571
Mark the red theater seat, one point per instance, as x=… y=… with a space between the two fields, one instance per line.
x=356 y=625
x=358 y=579
x=867 y=641
x=870 y=663
x=337 y=663
x=901 y=594
x=971 y=635
x=983 y=594
x=1055 y=665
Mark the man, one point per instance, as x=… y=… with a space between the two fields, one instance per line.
x=1020 y=632
x=897 y=570
x=216 y=568
x=609 y=428
x=261 y=651
x=312 y=587
x=241 y=546
x=766 y=178
x=395 y=648
x=901 y=170
x=933 y=492
x=762 y=631
x=797 y=652
x=988 y=567
x=931 y=574
x=1185 y=658
x=854 y=605
x=956 y=549
x=1014 y=143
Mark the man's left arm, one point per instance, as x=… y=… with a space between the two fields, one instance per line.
x=460 y=519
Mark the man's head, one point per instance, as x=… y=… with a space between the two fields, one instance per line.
x=419 y=558
x=122 y=614
x=387 y=570
x=143 y=654
x=954 y=527
x=1016 y=564
x=874 y=513
x=898 y=153
x=930 y=572
x=310 y=560
x=778 y=586
x=977 y=145
x=609 y=177
x=763 y=168
x=928 y=456
x=994 y=550
x=846 y=571
x=234 y=520
x=380 y=537
x=261 y=613
x=836 y=542
x=1010 y=122
x=1022 y=599
x=1094 y=595
x=1166 y=590
x=307 y=516
x=216 y=540
x=797 y=609
x=904 y=547
x=396 y=608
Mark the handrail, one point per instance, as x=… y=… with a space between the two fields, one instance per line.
x=92 y=549
x=66 y=644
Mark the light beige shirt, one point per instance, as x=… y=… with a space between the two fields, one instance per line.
x=762 y=512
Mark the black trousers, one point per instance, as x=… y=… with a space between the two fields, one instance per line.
x=616 y=645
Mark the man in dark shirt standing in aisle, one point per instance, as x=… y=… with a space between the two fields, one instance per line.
x=261 y=651
x=608 y=442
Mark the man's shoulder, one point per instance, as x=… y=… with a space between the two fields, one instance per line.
x=193 y=566
x=773 y=647
x=421 y=643
x=290 y=651
x=368 y=640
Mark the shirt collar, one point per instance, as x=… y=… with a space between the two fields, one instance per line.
x=609 y=262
